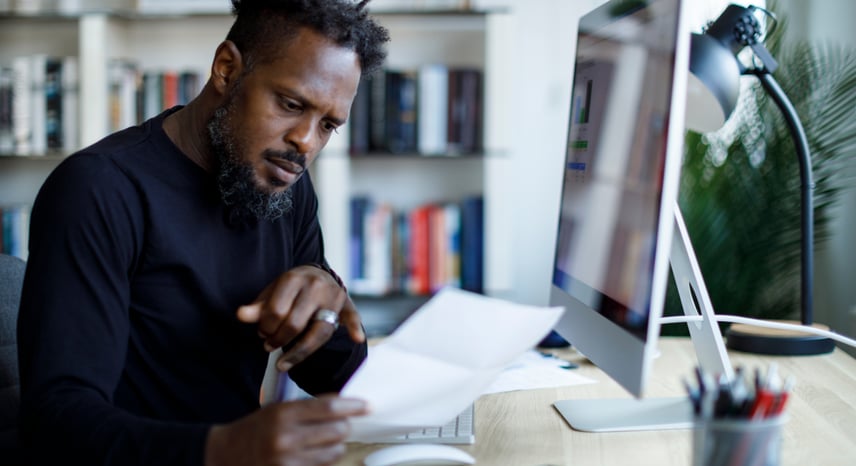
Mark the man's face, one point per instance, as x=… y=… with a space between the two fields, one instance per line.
x=277 y=118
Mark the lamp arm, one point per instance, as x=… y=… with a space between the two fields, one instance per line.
x=806 y=187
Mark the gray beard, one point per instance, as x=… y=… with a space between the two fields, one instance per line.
x=245 y=200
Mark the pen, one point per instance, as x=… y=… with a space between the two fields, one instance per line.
x=694 y=396
x=764 y=399
x=725 y=399
x=768 y=392
x=781 y=398
x=740 y=394
x=720 y=397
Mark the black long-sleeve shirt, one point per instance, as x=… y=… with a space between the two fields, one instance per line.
x=129 y=344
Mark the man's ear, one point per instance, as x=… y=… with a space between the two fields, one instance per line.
x=227 y=66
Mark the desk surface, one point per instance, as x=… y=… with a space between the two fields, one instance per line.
x=523 y=429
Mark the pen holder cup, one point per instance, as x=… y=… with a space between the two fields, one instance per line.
x=738 y=442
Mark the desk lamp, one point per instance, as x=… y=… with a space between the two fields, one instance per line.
x=712 y=96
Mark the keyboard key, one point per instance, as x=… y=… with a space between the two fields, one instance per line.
x=457 y=431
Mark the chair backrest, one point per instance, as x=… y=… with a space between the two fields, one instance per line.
x=11 y=281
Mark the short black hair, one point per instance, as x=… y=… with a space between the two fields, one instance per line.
x=261 y=26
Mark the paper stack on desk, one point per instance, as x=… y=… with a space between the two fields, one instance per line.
x=441 y=359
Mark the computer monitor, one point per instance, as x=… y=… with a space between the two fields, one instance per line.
x=619 y=226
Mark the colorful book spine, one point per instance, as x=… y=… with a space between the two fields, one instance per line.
x=472 y=244
x=70 y=105
x=433 y=109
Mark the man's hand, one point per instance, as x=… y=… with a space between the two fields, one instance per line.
x=286 y=309
x=295 y=433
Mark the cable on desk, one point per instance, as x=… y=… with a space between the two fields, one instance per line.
x=763 y=323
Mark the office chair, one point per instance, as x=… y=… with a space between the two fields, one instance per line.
x=11 y=281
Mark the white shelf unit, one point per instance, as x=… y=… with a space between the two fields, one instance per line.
x=475 y=39
x=478 y=39
x=181 y=42
x=20 y=177
x=177 y=42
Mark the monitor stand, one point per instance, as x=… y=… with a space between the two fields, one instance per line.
x=627 y=414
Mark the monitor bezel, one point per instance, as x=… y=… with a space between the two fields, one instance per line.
x=623 y=356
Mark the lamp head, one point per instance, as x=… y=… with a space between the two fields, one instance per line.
x=714 y=83
x=713 y=86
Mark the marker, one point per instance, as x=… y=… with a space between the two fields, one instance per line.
x=694 y=395
x=782 y=398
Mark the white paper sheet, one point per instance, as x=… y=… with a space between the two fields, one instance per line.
x=441 y=359
x=532 y=370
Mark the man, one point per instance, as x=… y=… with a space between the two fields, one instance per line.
x=167 y=260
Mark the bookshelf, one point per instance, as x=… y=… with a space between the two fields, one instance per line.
x=476 y=39
x=468 y=39
x=20 y=176
x=155 y=43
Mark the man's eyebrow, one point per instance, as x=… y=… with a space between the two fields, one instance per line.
x=337 y=121
x=308 y=104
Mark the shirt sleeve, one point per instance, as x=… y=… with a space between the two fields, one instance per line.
x=74 y=326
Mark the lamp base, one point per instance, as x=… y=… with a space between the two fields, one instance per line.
x=763 y=340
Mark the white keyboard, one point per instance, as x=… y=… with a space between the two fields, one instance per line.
x=460 y=430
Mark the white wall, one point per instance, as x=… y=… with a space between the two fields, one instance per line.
x=835 y=262
x=544 y=43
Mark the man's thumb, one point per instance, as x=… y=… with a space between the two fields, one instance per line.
x=250 y=312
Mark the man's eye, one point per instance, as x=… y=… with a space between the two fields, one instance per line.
x=290 y=105
x=330 y=127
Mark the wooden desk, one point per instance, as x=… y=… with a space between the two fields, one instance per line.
x=523 y=429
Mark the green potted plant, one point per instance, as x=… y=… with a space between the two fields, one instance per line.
x=740 y=193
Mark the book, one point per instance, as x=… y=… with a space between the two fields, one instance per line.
x=38 y=104
x=400 y=256
x=152 y=94
x=169 y=89
x=433 y=109
x=465 y=111
x=377 y=123
x=359 y=123
x=377 y=252
x=437 y=247
x=419 y=252
x=379 y=247
x=188 y=86
x=70 y=107
x=7 y=137
x=358 y=207
x=400 y=115
x=452 y=232
x=53 y=128
x=22 y=129
x=123 y=83
x=472 y=243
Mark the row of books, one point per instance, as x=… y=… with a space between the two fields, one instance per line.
x=39 y=100
x=15 y=223
x=136 y=95
x=38 y=105
x=432 y=110
x=416 y=251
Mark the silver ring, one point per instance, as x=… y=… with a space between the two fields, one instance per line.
x=326 y=315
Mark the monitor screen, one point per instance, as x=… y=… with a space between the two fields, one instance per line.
x=622 y=165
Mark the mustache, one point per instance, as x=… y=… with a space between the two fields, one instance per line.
x=289 y=155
